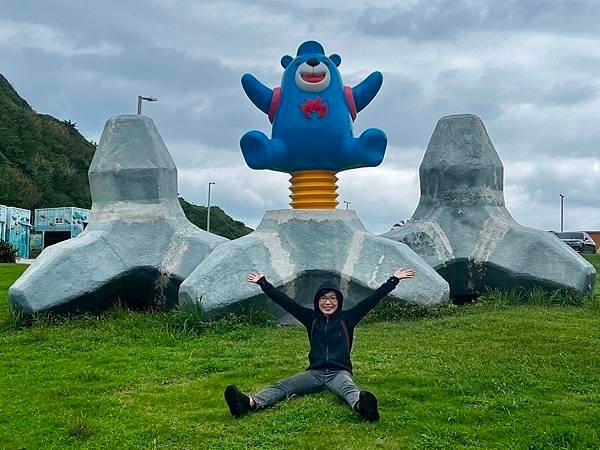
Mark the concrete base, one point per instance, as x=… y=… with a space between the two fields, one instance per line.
x=139 y=245
x=299 y=249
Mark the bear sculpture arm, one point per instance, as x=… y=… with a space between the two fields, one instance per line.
x=258 y=93
x=366 y=90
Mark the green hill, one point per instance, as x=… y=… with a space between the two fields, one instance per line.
x=43 y=161
x=220 y=223
x=44 y=164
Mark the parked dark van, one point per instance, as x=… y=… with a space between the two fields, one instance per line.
x=579 y=241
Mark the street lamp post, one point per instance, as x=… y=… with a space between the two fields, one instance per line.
x=347 y=203
x=148 y=99
x=208 y=207
x=562 y=204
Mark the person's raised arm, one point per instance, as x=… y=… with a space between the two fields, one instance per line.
x=302 y=314
x=355 y=314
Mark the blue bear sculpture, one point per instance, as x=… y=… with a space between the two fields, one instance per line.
x=312 y=115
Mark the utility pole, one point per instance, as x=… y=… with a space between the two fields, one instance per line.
x=148 y=99
x=208 y=207
x=562 y=204
x=347 y=203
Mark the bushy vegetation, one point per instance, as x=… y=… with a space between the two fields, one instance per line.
x=8 y=252
x=537 y=297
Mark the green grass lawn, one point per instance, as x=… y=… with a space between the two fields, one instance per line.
x=480 y=376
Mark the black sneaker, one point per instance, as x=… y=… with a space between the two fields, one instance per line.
x=239 y=404
x=367 y=406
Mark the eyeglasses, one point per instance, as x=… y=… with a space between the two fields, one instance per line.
x=331 y=298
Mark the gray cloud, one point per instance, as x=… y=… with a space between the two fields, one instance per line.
x=571 y=92
x=447 y=19
x=545 y=179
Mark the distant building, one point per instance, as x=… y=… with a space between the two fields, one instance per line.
x=595 y=235
x=15 y=227
x=59 y=224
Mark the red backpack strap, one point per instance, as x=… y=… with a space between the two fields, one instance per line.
x=275 y=99
x=312 y=327
x=345 y=328
x=350 y=100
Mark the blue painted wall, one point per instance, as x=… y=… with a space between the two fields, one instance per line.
x=15 y=227
x=2 y=222
x=72 y=220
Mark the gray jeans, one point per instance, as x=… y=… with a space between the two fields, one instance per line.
x=337 y=381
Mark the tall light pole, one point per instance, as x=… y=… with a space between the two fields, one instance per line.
x=562 y=204
x=148 y=99
x=208 y=207
x=347 y=203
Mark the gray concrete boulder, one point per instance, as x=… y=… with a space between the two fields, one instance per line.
x=138 y=247
x=463 y=229
x=298 y=250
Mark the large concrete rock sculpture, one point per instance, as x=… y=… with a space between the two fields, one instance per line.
x=463 y=229
x=138 y=247
x=298 y=250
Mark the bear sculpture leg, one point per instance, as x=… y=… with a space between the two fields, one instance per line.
x=365 y=151
x=260 y=152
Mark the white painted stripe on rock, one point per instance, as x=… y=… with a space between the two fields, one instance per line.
x=491 y=234
x=371 y=281
x=281 y=260
x=440 y=241
x=356 y=245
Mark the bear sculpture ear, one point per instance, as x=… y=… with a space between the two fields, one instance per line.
x=286 y=60
x=336 y=59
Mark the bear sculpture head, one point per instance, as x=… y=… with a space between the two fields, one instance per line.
x=311 y=71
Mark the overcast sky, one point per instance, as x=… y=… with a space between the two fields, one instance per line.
x=529 y=68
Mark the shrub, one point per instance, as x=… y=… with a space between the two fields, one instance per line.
x=390 y=310
x=537 y=297
x=8 y=253
x=193 y=324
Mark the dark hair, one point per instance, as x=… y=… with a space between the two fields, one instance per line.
x=322 y=292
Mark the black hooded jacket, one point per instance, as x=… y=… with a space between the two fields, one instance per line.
x=330 y=336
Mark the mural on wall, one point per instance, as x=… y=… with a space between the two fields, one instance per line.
x=15 y=227
x=3 y=211
x=65 y=220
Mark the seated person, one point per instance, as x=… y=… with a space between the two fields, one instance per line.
x=330 y=333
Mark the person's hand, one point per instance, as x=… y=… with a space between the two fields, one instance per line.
x=255 y=276
x=401 y=274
